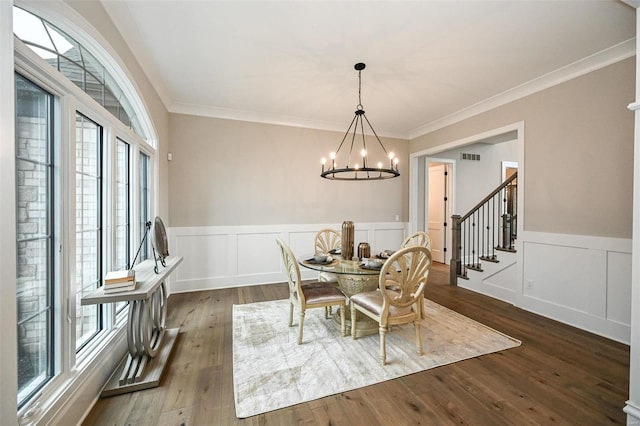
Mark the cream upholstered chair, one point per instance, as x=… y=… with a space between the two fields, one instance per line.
x=308 y=295
x=419 y=238
x=325 y=241
x=402 y=282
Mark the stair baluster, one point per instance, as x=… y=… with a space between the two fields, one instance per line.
x=491 y=225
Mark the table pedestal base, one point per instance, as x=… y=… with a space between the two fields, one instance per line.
x=365 y=326
x=151 y=369
x=354 y=284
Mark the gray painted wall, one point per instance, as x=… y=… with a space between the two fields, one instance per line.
x=578 y=152
x=228 y=172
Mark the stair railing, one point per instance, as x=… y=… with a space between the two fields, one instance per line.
x=491 y=225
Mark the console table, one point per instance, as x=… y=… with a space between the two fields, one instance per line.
x=149 y=343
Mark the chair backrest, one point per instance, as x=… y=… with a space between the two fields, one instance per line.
x=419 y=238
x=327 y=240
x=404 y=275
x=292 y=269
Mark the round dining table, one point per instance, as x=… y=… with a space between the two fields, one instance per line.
x=353 y=278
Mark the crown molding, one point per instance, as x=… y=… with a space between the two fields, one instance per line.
x=611 y=55
x=259 y=117
x=632 y=3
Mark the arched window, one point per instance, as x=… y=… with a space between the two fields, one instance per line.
x=85 y=155
x=73 y=60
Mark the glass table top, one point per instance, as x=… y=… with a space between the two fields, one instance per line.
x=338 y=266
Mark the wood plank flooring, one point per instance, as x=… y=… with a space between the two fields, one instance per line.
x=560 y=374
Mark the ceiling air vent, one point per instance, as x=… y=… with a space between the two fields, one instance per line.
x=467 y=156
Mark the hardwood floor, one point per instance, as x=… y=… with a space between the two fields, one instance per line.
x=560 y=374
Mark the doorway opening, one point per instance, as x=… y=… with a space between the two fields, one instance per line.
x=438 y=207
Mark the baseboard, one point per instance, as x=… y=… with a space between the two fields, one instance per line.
x=633 y=414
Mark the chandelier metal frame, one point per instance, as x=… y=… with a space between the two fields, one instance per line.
x=360 y=171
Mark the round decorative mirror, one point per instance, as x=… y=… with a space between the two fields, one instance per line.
x=160 y=243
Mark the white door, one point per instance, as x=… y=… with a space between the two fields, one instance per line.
x=437 y=211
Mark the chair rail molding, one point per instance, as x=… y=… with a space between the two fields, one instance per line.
x=218 y=257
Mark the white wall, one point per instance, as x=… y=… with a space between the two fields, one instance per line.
x=475 y=179
x=579 y=280
x=232 y=256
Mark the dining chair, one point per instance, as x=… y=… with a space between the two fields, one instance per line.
x=419 y=238
x=325 y=241
x=403 y=278
x=310 y=294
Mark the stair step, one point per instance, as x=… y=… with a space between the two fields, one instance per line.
x=464 y=277
x=492 y=259
x=477 y=267
x=508 y=250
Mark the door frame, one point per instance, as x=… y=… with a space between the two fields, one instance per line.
x=450 y=165
x=417 y=170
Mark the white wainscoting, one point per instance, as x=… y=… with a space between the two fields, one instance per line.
x=235 y=256
x=498 y=280
x=583 y=281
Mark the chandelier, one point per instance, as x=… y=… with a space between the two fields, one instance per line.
x=361 y=168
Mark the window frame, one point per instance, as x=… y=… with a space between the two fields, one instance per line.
x=51 y=232
x=68 y=98
x=101 y=219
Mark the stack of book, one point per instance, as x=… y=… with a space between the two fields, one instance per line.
x=118 y=281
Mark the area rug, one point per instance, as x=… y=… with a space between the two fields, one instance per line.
x=271 y=371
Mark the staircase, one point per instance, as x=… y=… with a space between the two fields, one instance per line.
x=483 y=241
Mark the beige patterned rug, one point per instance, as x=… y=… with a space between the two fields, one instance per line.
x=271 y=371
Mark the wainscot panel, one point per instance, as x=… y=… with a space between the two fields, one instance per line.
x=235 y=256
x=583 y=281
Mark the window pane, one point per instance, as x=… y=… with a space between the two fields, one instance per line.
x=34 y=283
x=32 y=181
x=145 y=206
x=29 y=27
x=80 y=66
x=111 y=102
x=63 y=45
x=34 y=354
x=94 y=89
x=122 y=224
x=88 y=229
x=122 y=255
x=72 y=71
x=33 y=277
x=93 y=66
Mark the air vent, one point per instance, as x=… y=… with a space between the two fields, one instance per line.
x=468 y=156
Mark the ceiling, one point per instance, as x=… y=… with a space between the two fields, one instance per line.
x=292 y=62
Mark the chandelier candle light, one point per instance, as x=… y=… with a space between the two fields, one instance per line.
x=360 y=171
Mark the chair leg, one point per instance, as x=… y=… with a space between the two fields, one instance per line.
x=290 y=314
x=342 y=320
x=327 y=312
x=353 y=321
x=300 y=326
x=416 y=324
x=383 y=344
